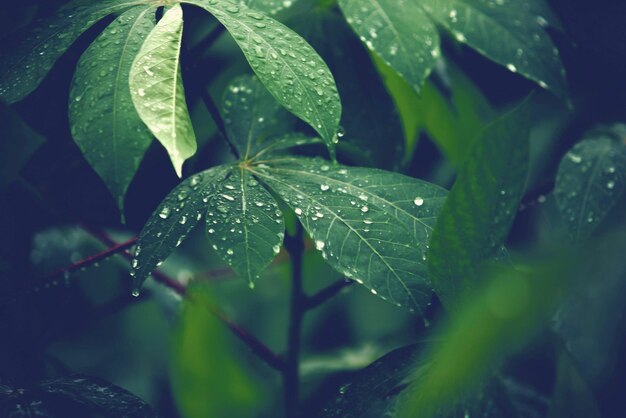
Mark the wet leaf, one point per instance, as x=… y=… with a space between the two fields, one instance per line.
x=175 y=217
x=370 y=225
x=157 y=90
x=244 y=224
x=481 y=207
x=288 y=67
x=270 y=7
x=104 y=122
x=398 y=31
x=24 y=67
x=590 y=181
x=252 y=116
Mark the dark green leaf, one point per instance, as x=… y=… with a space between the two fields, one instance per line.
x=481 y=207
x=590 y=181
x=175 y=217
x=23 y=68
x=104 y=122
x=270 y=7
x=288 y=67
x=398 y=31
x=252 y=115
x=17 y=144
x=244 y=224
x=507 y=32
x=370 y=225
x=157 y=90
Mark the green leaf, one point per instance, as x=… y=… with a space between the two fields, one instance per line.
x=288 y=67
x=590 y=181
x=175 y=217
x=381 y=388
x=104 y=122
x=208 y=379
x=17 y=144
x=481 y=207
x=244 y=224
x=270 y=7
x=157 y=88
x=282 y=144
x=507 y=32
x=370 y=225
x=399 y=32
x=371 y=124
x=252 y=115
x=23 y=68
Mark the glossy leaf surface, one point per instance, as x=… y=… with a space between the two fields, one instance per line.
x=104 y=122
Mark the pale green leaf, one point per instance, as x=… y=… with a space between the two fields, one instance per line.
x=590 y=181
x=157 y=90
x=370 y=225
x=508 y=32
x=252 y=115
x=285 y=63
x=23 y=68
x=244 y=224
x=174 y=218
x=399 y=32
x=481 y=207
x=104 y=122
x=270 y=7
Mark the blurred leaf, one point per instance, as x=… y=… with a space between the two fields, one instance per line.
x=481 y=207
x=75 y=396
x=244 y=224
x=252 y=116
x=370 y=225
x=398 y=31
x=175 y=217
x=207 y=379
x=17 y=144
x=23 y=68
x=370 y=122
x=157 y=90
x=288 y=67
x=590 y=181
x=507 y=32
x=104 y=122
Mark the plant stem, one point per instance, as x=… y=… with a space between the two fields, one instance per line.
x=326 y=294
x=291 y=376
x=217 y=117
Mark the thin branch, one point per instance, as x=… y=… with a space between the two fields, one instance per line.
x=257 y=347
x=291 y=375
x=327 y=293
x=217 y=117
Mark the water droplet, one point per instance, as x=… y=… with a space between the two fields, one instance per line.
x=230 y=251
x=418 y=201
x=364 y=209
x=610 y=185
x=298 y=211
x=135 y=293
x=319 y=245
x=165 y=213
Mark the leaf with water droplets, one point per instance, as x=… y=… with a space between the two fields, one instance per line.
x=270 y=7
x=399 y=32
x=508 y=32
x=288 y=67
x=174 y=218
x=103 y=119
x=481 y=207
x=590 y=181
x=380 y=390
x=244 y=224
x=252 y=116
x=157 y=90
x=284 y=144
x=24 y=67
x=371 y=225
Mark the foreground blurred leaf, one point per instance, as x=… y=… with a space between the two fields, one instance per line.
x=207 y=379
x=74 y=396
x=252 y=116
x=17 y=144
x=481 y=207
x=23 y=68
x=104 y=122
x=398 y=31
x=288 y=67
x=370 y=225
x=157 y=90
x=590 y=181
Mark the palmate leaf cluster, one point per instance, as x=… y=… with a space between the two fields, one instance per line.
x=402 y=238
